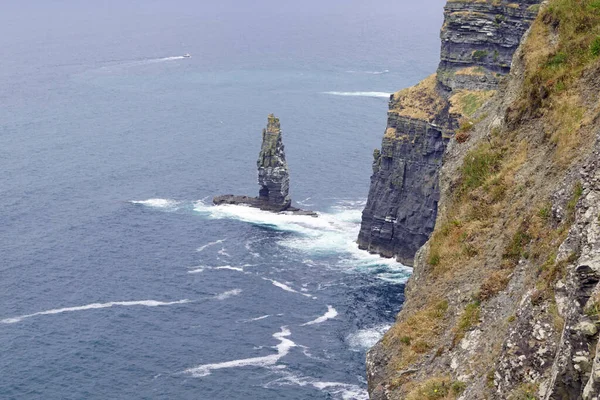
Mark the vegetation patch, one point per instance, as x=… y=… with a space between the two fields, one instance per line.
x=467 y=102
x=421 y=101
x=438 y=388
x=468 y=319
x=416 y=334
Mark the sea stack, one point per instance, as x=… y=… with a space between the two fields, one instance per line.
x=273 y=176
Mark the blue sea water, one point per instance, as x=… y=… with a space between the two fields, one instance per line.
x=118 y=278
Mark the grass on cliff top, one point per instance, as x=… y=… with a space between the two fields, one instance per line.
x=420 y=101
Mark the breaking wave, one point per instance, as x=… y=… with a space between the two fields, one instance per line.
x=360 y=94
x=282 y=348
x=366 y=338
x=331 y=233
x=157 y=203
x=94 y=306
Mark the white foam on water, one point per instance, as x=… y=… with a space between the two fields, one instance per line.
x=207 y=245
x=157 y=203
x=331 y=313
x=332 y=233
x=197 y=270
x=228 y=294
x=342 y=391
x=364 y=339
x=282 y=348
x=94 y=306
x=360 y=94
x=385 y=71
x=223 y=252
x=287 y=288
x=256 y=319
x=238 y=269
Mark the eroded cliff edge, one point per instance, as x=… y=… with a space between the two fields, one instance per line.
x=478 y=42
x=504 y=302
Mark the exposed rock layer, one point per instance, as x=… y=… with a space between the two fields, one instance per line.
x=504 y=300
x=478 y=42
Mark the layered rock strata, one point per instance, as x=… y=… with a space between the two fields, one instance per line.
x=504 y=299
x=273 y=175
x=478 y=42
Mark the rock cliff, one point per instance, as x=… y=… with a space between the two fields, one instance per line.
x=504 y=300
x=273 y=175
x=478 y=42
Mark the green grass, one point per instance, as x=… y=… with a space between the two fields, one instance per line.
x=479 y=165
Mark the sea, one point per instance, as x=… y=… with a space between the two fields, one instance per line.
x=118 y=277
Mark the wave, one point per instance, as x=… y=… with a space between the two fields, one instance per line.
x=94 y=306
x=207 y=245
x=287 y=288
x=157 y=203
x=366 y=338
x=331 y=313
x=282 y=348
x=228 y=294
x=360 y=94
x=332 y=233
x=342 y=391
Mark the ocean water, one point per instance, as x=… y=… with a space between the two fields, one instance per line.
x=118 y=278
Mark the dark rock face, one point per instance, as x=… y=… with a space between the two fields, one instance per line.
x=273 y=176
x=478 y=43
x=402 y=204
x=484 y=36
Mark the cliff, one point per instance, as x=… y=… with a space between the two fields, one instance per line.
x=504 y=300
x=273 y=176
x=479 y=39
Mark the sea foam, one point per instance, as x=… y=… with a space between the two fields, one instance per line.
x=228 y=294
x=366 y=338
x=282 y=348
x=360 y=94
x=157 y=203
x=331 y=313
x=94 y=306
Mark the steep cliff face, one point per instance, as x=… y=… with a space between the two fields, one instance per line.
x=478 y=42
x=504 y=301
x=400 y=212
x=273 y=174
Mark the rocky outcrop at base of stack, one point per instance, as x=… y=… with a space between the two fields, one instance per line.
x=273 y=176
